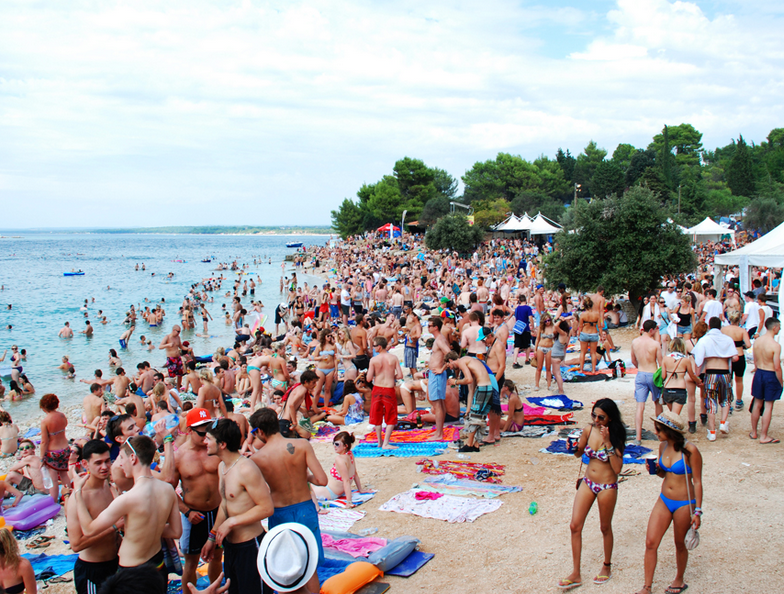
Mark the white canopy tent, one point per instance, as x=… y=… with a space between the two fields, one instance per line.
x=767 y=251
x=710 y=230
x=514 y=223
x=541 y=226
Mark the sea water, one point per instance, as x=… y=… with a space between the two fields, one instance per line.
x=42 y=299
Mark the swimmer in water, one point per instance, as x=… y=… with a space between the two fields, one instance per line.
x=65 y=331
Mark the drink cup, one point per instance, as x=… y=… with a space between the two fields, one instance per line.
x=651 y=463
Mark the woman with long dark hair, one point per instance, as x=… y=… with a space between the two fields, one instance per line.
x=604 y=448
x=680 y=500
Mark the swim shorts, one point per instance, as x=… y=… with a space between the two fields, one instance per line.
x=522 y=341
x=58 y=460
x=383 y=406
x=643 y=384
x=157 y=562
x=175 y=367
x=483 y=399
x=304 y=513
x=410 y=354
x=739 y=367
x=718 y=390
x=239 y=565
x=89 y=576
x=765 y=386
x=674 y=395
x=436 y=385
x=194 y=536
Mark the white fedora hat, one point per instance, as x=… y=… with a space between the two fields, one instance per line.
x=288 y=557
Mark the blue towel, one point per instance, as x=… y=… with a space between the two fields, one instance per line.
x=565 y=402
x=31 y=432
x=633 y=454
x=59 y=564
x=404 y=450
x=330 y=567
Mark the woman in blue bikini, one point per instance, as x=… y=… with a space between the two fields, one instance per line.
x=680 y=501
x=604 y=449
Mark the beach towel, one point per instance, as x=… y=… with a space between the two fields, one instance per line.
x=449 y=484
x=408 y=450
x=461 y=469
x=447 y=508
x=415 y=435
x=340 y=520
x=550 y=419
x=325 y=432
x=357 y=498
x=527 y=409
x=557 y=402
x=56 y=564
x=528 y=431
x=356 y=547
x=633 y=454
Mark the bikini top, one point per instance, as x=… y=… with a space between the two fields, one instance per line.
x=680 y=467
x=334 y=471
x=329 y=353
x=601 y=454
x=548 y=336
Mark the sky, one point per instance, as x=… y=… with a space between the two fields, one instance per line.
x=192 y=112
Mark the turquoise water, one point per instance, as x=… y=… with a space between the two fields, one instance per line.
x=31 y=271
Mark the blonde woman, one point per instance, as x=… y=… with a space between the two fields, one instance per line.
x=16 y=573
x=685 y=316
x=675 y=367
x=346 y=350
x=740 y=337
x=588 y=330
x=544 y=345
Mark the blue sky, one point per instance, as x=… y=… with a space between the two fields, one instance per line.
x=250 y=112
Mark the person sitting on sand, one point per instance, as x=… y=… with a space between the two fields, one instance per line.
x=515 y=417
x=25 y=474
x=16 y=572
x=9 y=435
x=342 y=473
x=353 y=407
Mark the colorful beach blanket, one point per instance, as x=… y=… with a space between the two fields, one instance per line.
x=465 y=470
x=340 y=520
x=356 y=547
x=527 y=409
x=447 y=508
x=415 y=436
x=407 y=450
x=357 y=498
x=325 y=432
x=449 y=484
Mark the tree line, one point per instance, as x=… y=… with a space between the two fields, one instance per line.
x=689 y=181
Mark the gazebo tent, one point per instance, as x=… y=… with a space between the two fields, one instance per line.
x=390 y=230
x=709 y=229
x=515 y=224
x=540 y=226
x=767 y=251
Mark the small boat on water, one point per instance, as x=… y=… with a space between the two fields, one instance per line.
x=206 y=260
x=74 y=273
x=294 y=244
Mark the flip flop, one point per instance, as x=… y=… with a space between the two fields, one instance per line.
x=601 y=579
x=752 y=437
x=675 y=589
x=566 y=585
x=771 y=441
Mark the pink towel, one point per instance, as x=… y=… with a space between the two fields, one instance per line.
x=356 y=547
x=423 y=495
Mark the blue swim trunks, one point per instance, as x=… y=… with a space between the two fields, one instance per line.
x=765 y=386
x=302 y=513
x=436 y=385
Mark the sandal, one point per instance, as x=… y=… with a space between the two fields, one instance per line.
x=676 y=589
x=602 y=579
x=566 y=585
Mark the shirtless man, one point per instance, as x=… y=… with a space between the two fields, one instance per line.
x=192 y=381
x=65 y=331
x=299 y=395
x=436 y=379
x=475 y=376
x=496 y=361
x=732 y=303
x=359 y=338
x=767 y=384
x=25 y=474
x=192 y=466
x=241 y=420
x=210 y=396
x=412 y=332
x=93 y=404
x=647 y=358
x=383 y=372
x=145 y=378
x=245 y=502
x=88 y=329
x=289 y=466
x=97 y=555
x=482 y=295
x=149 y=509
x=172 y=344
x=121 y=383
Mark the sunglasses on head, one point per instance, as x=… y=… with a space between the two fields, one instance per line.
x=596 y=417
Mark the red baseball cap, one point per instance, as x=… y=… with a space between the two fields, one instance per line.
x=197 y=416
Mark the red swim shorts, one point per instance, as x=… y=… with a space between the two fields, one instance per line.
x=383 y=406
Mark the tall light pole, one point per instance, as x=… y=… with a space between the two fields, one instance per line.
x=576 y=186
x=402 y=220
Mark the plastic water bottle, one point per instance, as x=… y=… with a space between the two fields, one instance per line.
x=172 y=421
x=368 y=531
x=533 y=508
x=149 y=430
x=463 y=457
x=48 y=484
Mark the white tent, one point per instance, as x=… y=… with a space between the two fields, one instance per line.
x=767 y=251
x=709 y=229
x=540 y=226
x=514 y=223
x=508 y=224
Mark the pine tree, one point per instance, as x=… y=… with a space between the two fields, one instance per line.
x=740 y=171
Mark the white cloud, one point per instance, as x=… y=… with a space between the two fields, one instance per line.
x=107 y=111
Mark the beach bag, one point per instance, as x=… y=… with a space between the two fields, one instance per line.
x=520 y=327
x=657 y=378
x=618 y=368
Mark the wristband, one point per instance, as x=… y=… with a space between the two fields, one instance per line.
x=168 y=439
x=211 y=537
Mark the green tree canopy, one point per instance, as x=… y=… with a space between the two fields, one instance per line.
x=623 y=243
x=567 y=163
x=586 y=165
x=608 y=179
x=740 y=171
x=500 y=178
x=685 y=139
x=453 y=232
x=434 y=210
x=622 y=156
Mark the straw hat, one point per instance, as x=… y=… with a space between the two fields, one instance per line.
x=670 y=420
x=288 y=556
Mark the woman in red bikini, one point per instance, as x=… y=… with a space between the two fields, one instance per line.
x=604 y=448
x=343 y=471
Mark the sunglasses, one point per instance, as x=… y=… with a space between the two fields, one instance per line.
x=337 y=443
x=596 y=417
x=23 y=448
x=199 y=433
